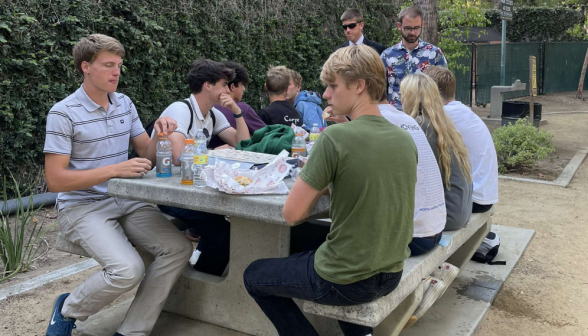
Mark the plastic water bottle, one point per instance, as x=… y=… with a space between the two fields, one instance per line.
x=314 y=133
x=298 y=145
x=164 y=157
x=200 y=161
x=200 y=138
x=187 y=159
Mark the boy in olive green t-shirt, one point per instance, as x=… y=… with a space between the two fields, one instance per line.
x=369 y=167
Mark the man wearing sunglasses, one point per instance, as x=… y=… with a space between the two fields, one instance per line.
x=352 y=23
x=411 y=55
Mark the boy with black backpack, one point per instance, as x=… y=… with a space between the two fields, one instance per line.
x=208 y=84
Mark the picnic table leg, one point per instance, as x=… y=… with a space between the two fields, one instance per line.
x=225 y=301
x=463 y=255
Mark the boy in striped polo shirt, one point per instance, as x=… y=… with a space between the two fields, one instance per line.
x=88 y=135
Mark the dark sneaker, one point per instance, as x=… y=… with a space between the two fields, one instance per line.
x=60 y=325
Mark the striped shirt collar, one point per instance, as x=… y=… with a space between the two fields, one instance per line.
x=90 y=105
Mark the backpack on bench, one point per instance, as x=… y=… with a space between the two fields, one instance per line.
x=150 y=126
x=488 y=250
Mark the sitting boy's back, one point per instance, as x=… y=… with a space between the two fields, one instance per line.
x=372 y=197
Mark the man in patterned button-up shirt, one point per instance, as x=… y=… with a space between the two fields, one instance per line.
x=411 y=55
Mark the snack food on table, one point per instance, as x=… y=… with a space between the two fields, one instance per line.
x=243 y=180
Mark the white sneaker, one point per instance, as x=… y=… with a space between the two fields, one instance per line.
x=435 y=289
x=446 y=272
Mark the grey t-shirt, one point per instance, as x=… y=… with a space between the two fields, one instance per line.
x=458 y=199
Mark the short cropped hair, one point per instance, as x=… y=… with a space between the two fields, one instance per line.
x=241 y=75
x=207 y=71
x=352 y=14
x=445 y=80
x=87 y=48
x=411 y=12
x=296 y=77
x=277 y=80
x=354 y=63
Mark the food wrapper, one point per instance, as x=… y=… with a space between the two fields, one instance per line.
x=268 y=180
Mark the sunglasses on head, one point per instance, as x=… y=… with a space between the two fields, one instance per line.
x=350 y=26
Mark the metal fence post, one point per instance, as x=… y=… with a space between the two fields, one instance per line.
x=472 y=56
x=542 y=65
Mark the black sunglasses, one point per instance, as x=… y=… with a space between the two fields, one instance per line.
x=350 y=26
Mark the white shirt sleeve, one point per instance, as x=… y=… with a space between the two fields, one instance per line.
x=221 y=123
x=181 y=114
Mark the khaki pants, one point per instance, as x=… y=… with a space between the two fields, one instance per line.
x=106 y=229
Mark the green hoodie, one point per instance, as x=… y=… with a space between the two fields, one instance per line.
x=271 y=139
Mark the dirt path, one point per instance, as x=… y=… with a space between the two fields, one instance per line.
x=547 y=294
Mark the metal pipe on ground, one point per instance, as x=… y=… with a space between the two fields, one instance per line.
x=38 y=200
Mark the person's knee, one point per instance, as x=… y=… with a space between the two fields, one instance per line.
x=250 y=274
x=180 y=249
x=128 y=275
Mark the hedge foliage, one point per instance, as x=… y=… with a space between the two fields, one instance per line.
x=161 y=39
x=532 y=24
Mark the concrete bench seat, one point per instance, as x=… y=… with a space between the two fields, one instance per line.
x=389 y=314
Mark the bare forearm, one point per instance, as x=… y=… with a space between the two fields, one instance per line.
x=242 y=130
x=69 y=180
x=149 y=153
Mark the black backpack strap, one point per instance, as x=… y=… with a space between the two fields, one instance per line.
x=213 y=119
x=191 y=113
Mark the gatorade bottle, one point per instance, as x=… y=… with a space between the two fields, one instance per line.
x=314 y=133
x=298 y=145
x=164 y=157
x=187 y=159
x=200 y=161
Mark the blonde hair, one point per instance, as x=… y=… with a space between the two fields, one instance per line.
x=420 y=96
x=445 y=80
x=277 y=79
x=88 y=48
x=354 y=63
x=296 y=77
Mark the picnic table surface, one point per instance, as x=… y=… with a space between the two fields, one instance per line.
x=169 y=191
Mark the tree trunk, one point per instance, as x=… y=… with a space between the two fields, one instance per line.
x=582 y=75
x=431 y=18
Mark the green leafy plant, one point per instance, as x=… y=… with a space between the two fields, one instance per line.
x=579 y=31
x=521 y=145
x=18 y=247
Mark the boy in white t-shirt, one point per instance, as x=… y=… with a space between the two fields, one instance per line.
x=477 y=139
x=429 y=207
x=208 y=83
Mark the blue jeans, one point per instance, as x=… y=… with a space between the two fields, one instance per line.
x=273 y=283
x=215 y=237
x=421 y=245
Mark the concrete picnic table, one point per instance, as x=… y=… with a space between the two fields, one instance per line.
x=258 y=230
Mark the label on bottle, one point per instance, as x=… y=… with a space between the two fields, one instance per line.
x=296 y=152
x=163 y=166
x=187 y=173
x=313 y=136
x=201 y=159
